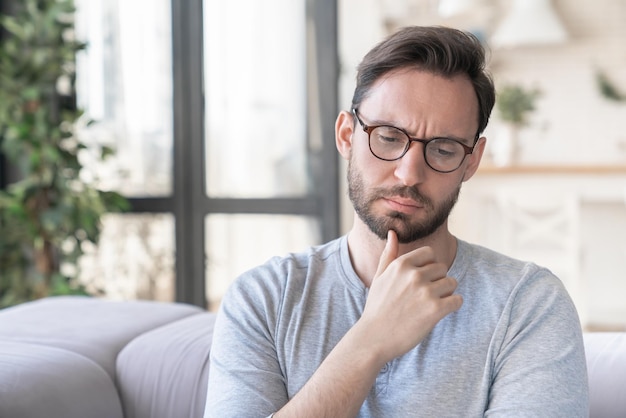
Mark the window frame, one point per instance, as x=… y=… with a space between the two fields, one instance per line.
x=189 y=202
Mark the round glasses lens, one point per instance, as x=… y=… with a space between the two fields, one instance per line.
x=387 y=142
x=444 y=154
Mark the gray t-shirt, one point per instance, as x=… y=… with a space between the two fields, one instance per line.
x=515 y=347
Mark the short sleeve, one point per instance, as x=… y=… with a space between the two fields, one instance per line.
x=245 y=378
x=540 y=368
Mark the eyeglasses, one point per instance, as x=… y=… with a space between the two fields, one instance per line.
x=389 y=143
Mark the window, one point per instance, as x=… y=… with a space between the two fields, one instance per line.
x=222 y=114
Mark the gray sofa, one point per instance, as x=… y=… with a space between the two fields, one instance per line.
x=78 y=357
x=82 y=357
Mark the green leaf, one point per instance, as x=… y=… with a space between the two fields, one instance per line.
x=13 y=26
x=106 y=152
x=30 y=93
x=608 y=89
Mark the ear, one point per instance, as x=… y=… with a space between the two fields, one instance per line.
x=344 y=129
x=474 y=158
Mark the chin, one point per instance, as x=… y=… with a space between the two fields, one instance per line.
x=407 y=231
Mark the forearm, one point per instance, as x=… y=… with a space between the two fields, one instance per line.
x=340 y=385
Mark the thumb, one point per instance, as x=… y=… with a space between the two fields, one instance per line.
x=390 y=252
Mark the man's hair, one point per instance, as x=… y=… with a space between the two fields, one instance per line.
x=443 y=51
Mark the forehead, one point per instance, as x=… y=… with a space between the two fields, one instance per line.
x=417 y=99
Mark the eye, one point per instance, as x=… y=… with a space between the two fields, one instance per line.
x=386 y=135
x=444 y=148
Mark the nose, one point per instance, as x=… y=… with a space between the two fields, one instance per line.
x=411 y=168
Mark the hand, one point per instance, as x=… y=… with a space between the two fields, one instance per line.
x=409 y=295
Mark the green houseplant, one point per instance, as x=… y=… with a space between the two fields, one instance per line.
x=48 y=214
x=514 y=104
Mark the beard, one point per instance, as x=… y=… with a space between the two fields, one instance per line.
x=407 y=230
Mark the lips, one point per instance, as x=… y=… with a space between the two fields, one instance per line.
x=404 y=205
x=404 y=202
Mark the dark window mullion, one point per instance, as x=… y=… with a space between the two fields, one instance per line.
x=188 y=151
x=323 y=15
x=308 y=206
x=151 y=204
x=190 y=200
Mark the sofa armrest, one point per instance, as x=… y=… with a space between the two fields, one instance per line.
x=37 y=381
x=164 y=373
x=94 y=328
x=606 y=365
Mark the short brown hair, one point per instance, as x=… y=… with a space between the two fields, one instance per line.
x=437 y=49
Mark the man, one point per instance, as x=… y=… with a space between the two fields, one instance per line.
x=400 y=318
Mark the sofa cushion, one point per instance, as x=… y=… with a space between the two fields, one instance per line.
x=606 y=365
x=95 y=328
x=164 y=372
x=41 y=382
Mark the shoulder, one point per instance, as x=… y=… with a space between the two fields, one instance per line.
x=479 y=257
x=478 y=263
x=269 y=281
x=289 y=266
x=509 y=286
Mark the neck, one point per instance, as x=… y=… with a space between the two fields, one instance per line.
x=365 y=248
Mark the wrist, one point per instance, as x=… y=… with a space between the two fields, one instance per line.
x=371 y=350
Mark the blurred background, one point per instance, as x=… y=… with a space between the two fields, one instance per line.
x=222 y=115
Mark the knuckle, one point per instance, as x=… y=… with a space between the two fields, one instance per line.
x=452 y=283
x=427 y=254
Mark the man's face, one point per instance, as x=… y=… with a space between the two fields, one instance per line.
x=406 y=195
